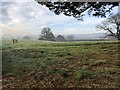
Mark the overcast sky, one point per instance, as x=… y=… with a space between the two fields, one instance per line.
x=28 y=18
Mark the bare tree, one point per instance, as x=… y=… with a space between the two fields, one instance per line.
x=111 y=25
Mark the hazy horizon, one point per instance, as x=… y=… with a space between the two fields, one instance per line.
x=28 y=18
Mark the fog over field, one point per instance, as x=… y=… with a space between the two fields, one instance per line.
x=28 y=18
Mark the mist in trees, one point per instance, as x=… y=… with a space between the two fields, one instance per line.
x=60 y=38
x=46 y=34
x=27 y=37
x=79 y=9
x=69 y=38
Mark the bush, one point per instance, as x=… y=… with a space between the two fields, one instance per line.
x=82 y=73
x=63 y=72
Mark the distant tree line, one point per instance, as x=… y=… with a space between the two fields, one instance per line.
x=27 y=37
x=97 y=8
x=46 y=34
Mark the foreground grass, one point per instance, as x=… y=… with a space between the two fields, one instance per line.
x=40 y=64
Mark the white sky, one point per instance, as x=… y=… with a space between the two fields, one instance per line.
x=28 y=18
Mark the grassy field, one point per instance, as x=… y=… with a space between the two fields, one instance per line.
x=43 y=64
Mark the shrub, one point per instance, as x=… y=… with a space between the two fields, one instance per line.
x=63 y=72
x=82 y=73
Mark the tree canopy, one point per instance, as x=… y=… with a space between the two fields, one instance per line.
x=60 y=38
x=70 y=37
x=78 y=9
x=46 y=34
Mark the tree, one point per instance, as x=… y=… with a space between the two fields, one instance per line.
x=78 y=9
x=60 y=38
x=46 y=34
x=111 y=25
x=70 y=38
x=26 y=37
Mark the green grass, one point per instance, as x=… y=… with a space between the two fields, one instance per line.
x=82 y=73
x=99 y=62
x=30 y=64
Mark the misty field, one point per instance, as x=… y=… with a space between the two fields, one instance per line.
x=44 y=64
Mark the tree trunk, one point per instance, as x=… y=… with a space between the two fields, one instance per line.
x=118 y=35
x=118 y=32
x=118 y=63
